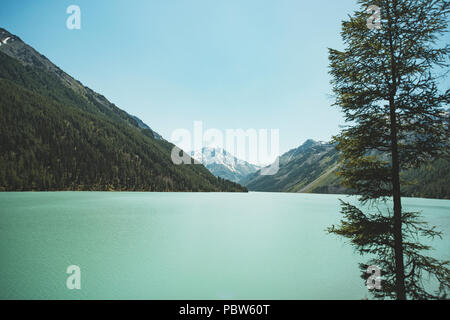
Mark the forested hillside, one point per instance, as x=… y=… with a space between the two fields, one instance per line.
x=430 y=181
x=55 y=137
x=298 y=168
x=312 y=167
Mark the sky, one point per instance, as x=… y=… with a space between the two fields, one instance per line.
x=234 y=64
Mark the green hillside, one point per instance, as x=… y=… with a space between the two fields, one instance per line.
x=298 y=169
x=429 y=181
x=312 y=168
x=56 y=135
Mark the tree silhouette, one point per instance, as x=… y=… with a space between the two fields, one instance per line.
x=386 y=82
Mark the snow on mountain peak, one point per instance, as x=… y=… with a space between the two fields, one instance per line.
x=222 y=163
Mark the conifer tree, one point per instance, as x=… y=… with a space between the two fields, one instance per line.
x=387 y=82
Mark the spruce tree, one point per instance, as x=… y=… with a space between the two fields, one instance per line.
x=387 y=82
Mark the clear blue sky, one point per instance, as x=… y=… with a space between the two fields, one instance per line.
x=232 y=64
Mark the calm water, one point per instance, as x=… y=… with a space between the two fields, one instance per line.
x=183 y=245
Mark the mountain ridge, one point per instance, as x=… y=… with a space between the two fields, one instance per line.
x=56 y=134
x=312 y=168
x=298 y=168
x=223 y=164
x=14 y=47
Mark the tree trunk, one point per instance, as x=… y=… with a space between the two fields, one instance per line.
x=398 y=241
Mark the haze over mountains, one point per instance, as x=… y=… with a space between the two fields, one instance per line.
x=56 y=134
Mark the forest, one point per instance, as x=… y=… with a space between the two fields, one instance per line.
x=54 y=138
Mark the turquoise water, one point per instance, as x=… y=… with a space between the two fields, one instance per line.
x=183 y=245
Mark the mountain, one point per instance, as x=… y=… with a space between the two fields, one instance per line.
x=142 y=125
x=429 y=181
x=223 y=164
x=299 y=169
x=312 y=167
x=56 y=134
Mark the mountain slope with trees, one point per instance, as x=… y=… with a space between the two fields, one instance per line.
x=313 y=167
x=56 y=134
x=298 y=168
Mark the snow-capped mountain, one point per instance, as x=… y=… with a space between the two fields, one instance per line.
x=223 y=164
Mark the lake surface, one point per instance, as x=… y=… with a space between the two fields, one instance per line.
x=184 y=245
